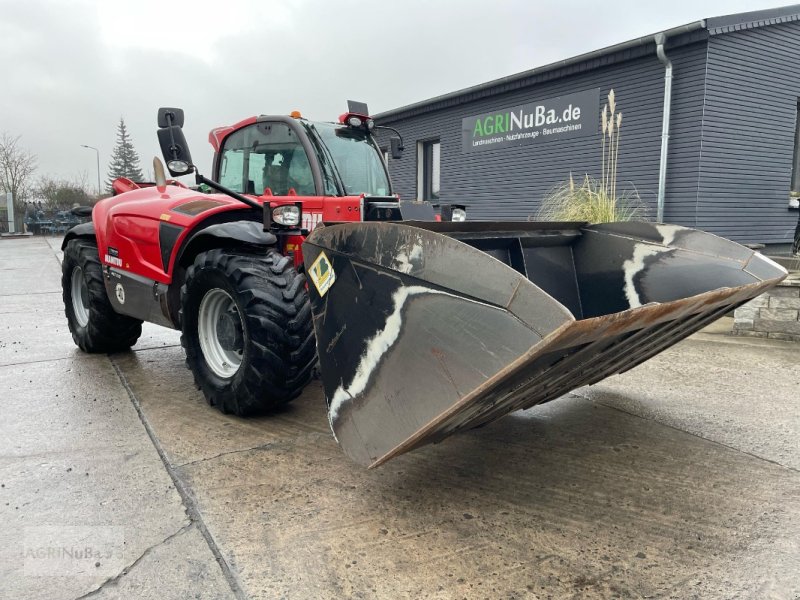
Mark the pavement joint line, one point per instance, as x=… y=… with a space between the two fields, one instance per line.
x=127 y=569
x=29 y=294
x=150 y=349
x=691 y=433
x=188 y=499
x=268 y=446
x=42 y=360
x=191 y=463
x=57 y=253
x=79 y=356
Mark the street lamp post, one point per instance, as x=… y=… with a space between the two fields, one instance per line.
x=98 y=166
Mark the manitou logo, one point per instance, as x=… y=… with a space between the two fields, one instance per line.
x=113 y=260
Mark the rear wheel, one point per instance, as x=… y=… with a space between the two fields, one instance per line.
x=93 y=323
x=247 y=330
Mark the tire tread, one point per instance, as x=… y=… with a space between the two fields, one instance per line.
x=279 y=361
x=107 y=330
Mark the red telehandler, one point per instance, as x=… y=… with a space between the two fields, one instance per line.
x=421 y=328
x=225 y=268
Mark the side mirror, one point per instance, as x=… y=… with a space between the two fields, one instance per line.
x=170 y=116
x=396 y=145
x=175 y=150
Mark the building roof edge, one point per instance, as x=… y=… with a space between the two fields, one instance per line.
x=714 y=26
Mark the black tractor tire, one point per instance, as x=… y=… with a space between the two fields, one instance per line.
x=247 y=330
x=94 y=324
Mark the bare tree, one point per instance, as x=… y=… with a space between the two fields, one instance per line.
x=17 y=166
x=63 y=194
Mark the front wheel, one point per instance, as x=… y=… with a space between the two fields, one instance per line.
x=247 y=330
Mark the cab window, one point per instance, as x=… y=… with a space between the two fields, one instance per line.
x=265 y=157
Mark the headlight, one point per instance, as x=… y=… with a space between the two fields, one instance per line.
x=286 y=215
x=459 y=214
x=354 y=122
x=178 y=166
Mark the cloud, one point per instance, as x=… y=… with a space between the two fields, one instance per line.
x=70 y=70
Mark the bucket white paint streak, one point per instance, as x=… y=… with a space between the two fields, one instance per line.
x=635 y=265
x=380 y=344
x=404 y=262
x=668 y=233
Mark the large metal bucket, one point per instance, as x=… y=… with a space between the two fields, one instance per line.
x=424 y=329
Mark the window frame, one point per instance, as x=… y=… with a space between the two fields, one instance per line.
x=302 y=136
x=426 y=171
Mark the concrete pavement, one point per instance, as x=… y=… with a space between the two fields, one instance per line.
x=76 y=458
x=679 y=479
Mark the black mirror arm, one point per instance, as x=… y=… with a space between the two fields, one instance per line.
x=170 y=117
x=402 y=147
x=221 y=188
x=173 y=148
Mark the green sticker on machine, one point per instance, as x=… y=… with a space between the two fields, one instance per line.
x=322 y=274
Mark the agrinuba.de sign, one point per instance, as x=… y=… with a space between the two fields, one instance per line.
x=574 y=115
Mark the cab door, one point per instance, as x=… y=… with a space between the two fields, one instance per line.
x=267 y=158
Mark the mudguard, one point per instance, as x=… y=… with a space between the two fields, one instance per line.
x=84 y=230
x=427 y=329
x=233 y=233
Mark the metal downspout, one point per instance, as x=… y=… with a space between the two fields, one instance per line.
x=660 y=39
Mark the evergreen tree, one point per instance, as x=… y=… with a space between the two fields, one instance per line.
x=124 y=159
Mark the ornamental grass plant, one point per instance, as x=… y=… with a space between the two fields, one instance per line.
x=590 y=201
x=597 y=200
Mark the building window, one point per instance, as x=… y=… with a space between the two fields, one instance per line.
x=796 y=159
x=428 y=169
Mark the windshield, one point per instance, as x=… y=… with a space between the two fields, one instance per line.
x=266 y=158
x=356 y=158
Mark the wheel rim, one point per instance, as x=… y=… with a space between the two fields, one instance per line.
x=216 y=306
x=80 y=297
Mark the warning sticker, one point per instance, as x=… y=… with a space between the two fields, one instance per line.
x=322 y=274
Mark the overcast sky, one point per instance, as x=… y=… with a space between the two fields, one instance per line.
x=70 y=69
